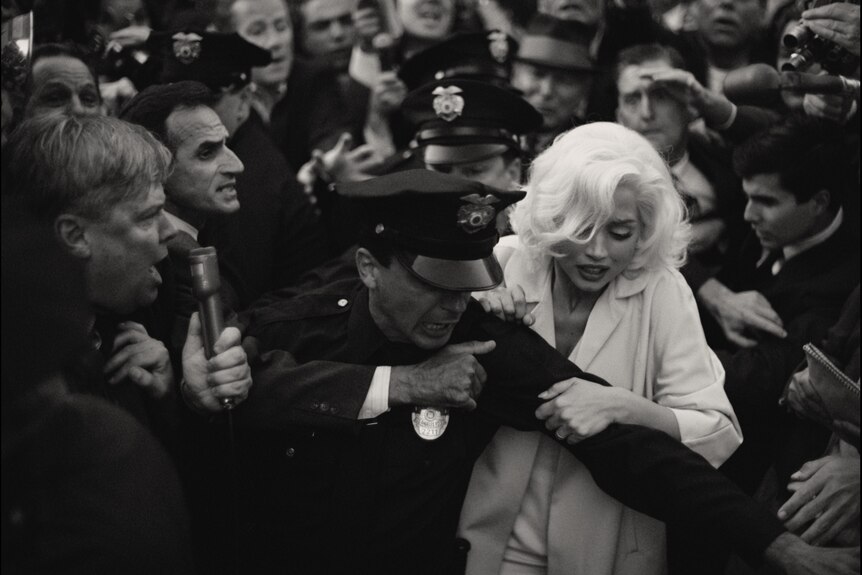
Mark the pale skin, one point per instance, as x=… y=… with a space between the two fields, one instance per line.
x=576 y=409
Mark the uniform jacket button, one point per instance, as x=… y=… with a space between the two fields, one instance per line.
x=342 y=302
x=324 y=406
x=290 y=452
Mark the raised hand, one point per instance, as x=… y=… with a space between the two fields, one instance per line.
x=140 y=359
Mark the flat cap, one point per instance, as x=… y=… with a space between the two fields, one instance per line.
x=443 y=227
x=460 y=121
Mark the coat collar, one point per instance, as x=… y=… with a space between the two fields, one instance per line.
x=534 y=276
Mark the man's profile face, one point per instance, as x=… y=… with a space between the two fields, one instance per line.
x=62 y=84
x=125 y=245
x=327 y=30
x=408 y=310
x=494 y=171
x=204 y=170
x=775 y=215
x=649 y=110
x=559 y=95
x=728 y=24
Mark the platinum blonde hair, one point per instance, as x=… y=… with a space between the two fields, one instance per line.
x=570 y=195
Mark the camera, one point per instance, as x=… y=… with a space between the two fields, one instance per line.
x=809 y=48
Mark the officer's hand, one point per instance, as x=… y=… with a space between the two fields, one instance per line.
x=225 y=375
x=739 y=314
x=508 y=304
x=451 y=378
x=141 y=359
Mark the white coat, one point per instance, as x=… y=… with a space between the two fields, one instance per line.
x=643 y=334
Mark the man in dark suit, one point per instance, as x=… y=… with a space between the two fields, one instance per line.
x=276 y=235
x=201 y=184
x=359 y=435
x=791 y=277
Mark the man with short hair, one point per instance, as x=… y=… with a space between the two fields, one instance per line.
x=98 y=182
x=359 y=438
x=701 y=169
x=785 y=286
x=730 y=33
x=277 y=234
x=62 y=80
x=202 y=180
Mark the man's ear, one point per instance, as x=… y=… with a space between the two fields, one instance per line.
x=71 y=232
x=513 y=170
x=820 y=201
x=368 y=267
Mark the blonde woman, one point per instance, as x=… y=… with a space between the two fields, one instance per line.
x=594 y=263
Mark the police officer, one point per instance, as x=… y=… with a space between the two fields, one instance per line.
x=365 y=418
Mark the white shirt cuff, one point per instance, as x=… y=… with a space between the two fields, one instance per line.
x=377 y=401
x=730 y=120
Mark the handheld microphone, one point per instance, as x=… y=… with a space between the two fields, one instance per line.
x=206 y=283
x=761 y=84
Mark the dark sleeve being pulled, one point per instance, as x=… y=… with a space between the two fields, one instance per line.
x=643 y=468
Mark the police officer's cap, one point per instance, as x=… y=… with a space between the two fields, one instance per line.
x=554 y=43
x=485 y=56
x=215 y=59
x=461 y=121
x=442 y=227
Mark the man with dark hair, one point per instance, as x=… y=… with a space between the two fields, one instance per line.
x=276 y=235
x=201 y=183
x=63 y=79
x=359 y=437
x=793 y=273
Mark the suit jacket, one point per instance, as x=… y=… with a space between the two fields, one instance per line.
x=388 y=501
x=276 y=235
x=309 y=115
x=643 y=334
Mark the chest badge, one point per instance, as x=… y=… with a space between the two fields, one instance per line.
x=430 y=423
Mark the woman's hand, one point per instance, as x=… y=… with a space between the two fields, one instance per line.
x=508 y=304
x=576 y=409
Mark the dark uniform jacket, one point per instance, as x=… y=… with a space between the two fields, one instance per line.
x=330 y=494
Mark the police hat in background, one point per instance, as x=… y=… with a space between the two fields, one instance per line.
x=462 y=121
x=214 y=59
x=555 y=43
x=483 y=56
x=443 y=227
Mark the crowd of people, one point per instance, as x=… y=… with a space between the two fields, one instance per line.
x=510 y=287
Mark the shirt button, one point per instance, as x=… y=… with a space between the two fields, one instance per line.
x=342 y=302
x=290 y=452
